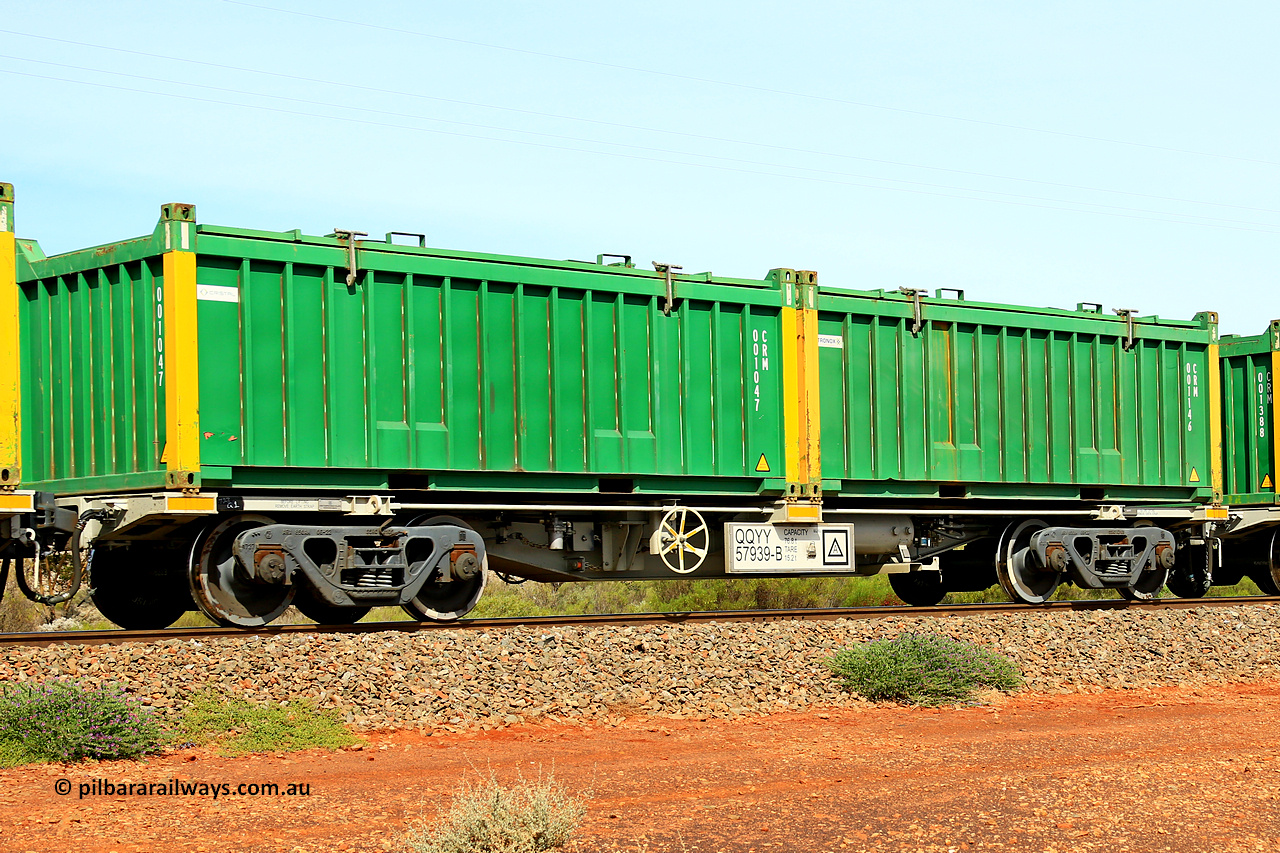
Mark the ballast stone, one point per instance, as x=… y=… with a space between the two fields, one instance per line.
x=467 y=679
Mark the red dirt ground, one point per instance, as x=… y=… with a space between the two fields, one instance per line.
x=1172 y=769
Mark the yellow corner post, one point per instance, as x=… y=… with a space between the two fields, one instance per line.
x=791 y=372
x=801 y=416
x=810 y=413
x=10 y=350
x=1215 y=420
x=181 y=350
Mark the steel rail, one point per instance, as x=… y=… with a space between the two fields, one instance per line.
x=112 y=637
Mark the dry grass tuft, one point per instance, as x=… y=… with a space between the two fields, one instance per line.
x=486 y=817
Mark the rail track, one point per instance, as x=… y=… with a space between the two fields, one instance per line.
x=110 y=637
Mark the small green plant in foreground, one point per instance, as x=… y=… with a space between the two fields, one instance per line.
x=923 y=669
x=238 y=727
x=486 y=817
x=63 y=721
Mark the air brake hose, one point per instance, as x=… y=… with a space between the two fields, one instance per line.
x=77 y=566
x=21 y=578
x=76 y=572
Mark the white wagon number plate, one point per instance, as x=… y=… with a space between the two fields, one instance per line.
x=798 y=548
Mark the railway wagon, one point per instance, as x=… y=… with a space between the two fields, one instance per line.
x=237 y=420
x=1026 y=445
x=1251 y=448
x=243 y=420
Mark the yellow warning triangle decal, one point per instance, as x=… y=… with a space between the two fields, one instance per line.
x=164 y=454
x=1195 y=478
x=1266 y=482
x=763 y=465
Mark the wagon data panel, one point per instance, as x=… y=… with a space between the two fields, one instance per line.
x=800 y=548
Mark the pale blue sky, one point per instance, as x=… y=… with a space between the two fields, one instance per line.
x=1044 y=153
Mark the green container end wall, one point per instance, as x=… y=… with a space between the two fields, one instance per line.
x=995 y=401
x=93 y=405
x=1248 y=417
x=431 y=371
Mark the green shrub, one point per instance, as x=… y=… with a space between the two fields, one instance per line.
x=923 y=669
x=501 y=601
x=62 y=721
x=1245 y=587
x=238 y=727
x=486 y=817
x=680 y=595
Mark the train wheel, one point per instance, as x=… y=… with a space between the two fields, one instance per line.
x=138 y=586
x=1267 y=576
x=446 y=602
x=318 y=610
x=919 y=589
x=224 y=588
x=1148 y=586
x=1192 y=574
x=1020 y=576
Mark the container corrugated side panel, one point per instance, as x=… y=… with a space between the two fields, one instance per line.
x=1006 y=403
x=461 y=369
x=93 y=406
x=1248 y=418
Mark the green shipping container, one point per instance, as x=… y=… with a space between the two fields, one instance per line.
x=1249 y=417
x=412 y=368
x=941 y=398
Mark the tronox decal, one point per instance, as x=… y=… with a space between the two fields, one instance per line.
x=831 y=341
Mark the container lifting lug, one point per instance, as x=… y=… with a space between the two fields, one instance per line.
x=1130 y=337
x=917 y=313
x=626 y=260
x=422 y=238
x=666 y=269
x=350 y=237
